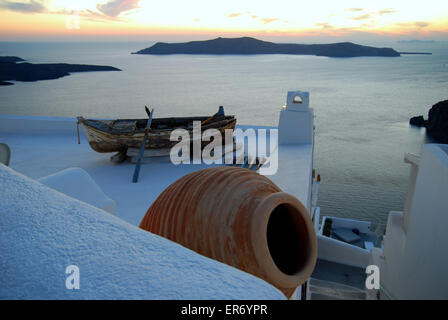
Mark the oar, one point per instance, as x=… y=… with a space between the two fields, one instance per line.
x=142 y=148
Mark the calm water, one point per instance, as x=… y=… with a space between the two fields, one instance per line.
x=362 y=105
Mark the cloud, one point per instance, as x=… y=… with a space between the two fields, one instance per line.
x=237 y=14
x=418 y=24
x=421 y=24
x=371 y=15
x=368 y=25
x=234 y=15
x=386 y=11
x=24 y=7
x=268 y=20
x=113 y=8
x=363 y=17
x=324 y=25
x=90 y=15
x=355 y=9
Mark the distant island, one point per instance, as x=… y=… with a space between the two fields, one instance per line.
x=416 y=41
x=401 y=52
x=13 y=68
x=247 y=45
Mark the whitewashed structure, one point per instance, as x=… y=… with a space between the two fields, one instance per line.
x=44 y=232
x=80 y=182
x=414 y=261
x=296 y=124
x=412 y=258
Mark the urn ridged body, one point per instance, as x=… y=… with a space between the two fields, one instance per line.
x=240 y=218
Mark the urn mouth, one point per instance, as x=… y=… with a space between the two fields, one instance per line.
x=285 y=242
x=287 y=239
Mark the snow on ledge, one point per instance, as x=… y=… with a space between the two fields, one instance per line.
x=37 y=125
x=43 y=231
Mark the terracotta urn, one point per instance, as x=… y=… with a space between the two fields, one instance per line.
x=240 y=218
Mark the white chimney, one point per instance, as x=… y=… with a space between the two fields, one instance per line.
x=296 y=124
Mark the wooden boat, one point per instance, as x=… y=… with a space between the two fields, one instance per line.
x=122 y=134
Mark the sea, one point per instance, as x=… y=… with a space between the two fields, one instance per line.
x=362 y=105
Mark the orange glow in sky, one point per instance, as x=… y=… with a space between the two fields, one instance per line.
x=131 y=19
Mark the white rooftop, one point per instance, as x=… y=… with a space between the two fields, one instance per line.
x=41 y=146
x=43 y=232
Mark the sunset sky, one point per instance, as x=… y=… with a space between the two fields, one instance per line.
x=199 y=19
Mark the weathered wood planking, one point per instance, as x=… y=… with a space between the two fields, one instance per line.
x=119 y=135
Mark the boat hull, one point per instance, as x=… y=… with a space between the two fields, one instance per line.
x=106 y=142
